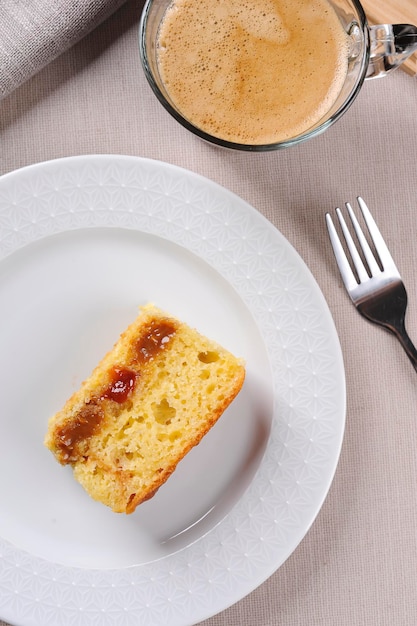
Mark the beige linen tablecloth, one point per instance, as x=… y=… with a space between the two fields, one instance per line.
x=358 y=563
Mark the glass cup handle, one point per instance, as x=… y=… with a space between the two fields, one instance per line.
x=391 y=44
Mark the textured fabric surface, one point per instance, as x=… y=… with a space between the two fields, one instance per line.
x=34 y=32
x=357 y=564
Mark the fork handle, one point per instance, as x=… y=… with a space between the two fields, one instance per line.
x=402 y=335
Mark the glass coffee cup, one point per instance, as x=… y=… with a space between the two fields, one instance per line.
x=371 y=51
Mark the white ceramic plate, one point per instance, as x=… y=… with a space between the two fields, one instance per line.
x=84 y=241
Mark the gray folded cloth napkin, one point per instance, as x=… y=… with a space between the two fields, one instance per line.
x=34 y=32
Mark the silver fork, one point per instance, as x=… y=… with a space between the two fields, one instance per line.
x=379 y=294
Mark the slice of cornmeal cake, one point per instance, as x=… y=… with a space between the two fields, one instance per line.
x=148 y=402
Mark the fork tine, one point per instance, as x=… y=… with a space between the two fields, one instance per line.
x=380 y=245
x=368 y=254
x=357 y=261
x=348 y=276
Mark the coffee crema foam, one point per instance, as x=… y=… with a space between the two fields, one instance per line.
x=252 y=72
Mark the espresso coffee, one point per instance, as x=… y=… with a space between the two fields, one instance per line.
x=252 y=72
